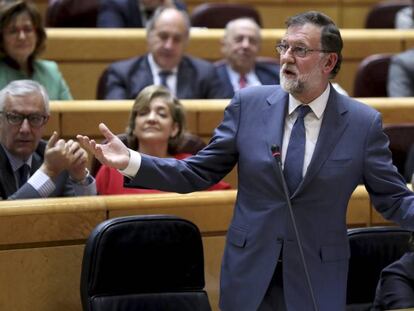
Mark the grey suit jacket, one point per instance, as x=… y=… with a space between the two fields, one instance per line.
x=351 y=147
x=196 y=79
x=268 y=74
x=64 y=187
x=401 y=75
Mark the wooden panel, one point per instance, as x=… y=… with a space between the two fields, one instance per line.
x=83 y=54
x=202 y=208
x=359 y=210
x=41 y=279
x=40 y=221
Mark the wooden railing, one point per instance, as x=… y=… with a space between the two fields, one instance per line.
x=42 y=240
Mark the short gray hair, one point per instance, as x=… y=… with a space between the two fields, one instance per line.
x=23 y=88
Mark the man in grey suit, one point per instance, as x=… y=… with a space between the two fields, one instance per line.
x=240 y=47
x=329 y=144
x=401 y=75
x=165 y=64
x=30 y=167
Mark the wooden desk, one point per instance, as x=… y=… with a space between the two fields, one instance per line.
x=42 y=240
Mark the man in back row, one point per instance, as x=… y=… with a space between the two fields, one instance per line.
x=185 y=76
x=29 y=166
x=329 y=143
x=240 y=47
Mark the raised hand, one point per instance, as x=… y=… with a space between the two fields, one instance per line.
x=56 y=159
x=113 y=154
x=78 y=158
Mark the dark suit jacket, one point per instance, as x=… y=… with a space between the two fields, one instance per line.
x=196 y=79
x=123 y=13
x=268 y=74
x=396 y=286
x=351 y=147
x=8 y=184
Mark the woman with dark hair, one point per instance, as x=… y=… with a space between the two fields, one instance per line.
x=22 y=39
x=156 y=127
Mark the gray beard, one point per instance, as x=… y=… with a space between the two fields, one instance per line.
x=291 y=86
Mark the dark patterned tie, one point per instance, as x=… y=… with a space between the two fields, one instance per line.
x=295 y=154
x=23 y=173
x=164 y=76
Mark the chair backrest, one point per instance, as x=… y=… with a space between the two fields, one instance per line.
x=72 y=13
x=372 y=249
x=371 y=76
x=190 y=143
x=217 y=15
x=382 y=15
x=401 y=138
x=148 y=263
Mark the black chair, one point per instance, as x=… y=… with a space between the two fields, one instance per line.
x=401 y=138
x=372 y=249
x=371 y=77
x=217 y=15
x=150 y=263
x=72 y=13
x=382 y=15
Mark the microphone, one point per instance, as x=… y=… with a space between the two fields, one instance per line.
x=277 y=156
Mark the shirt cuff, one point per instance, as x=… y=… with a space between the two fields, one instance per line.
x=133 y=165
x=42 y=183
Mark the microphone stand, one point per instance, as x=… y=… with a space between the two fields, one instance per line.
x=276 y=154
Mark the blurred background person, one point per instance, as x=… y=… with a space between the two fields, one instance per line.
x=31 y=167
x=404 y=19
x=395 y=288
x=23 y=38
x=165 y=64
x=131 y=13
x=156 y=127
x=400 y=81
x=240 y=47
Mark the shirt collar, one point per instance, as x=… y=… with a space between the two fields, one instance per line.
x=155 y=69
x=16 y=162
x=318 y=105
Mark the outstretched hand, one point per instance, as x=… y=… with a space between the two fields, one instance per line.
x=113 y=154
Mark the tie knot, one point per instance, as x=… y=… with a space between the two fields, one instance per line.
x=164 y=73
x=303 y=110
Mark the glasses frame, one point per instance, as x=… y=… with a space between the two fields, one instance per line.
x=19 y=118
x=297 y=51
x=16 y=31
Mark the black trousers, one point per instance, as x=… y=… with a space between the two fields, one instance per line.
x=274 y=299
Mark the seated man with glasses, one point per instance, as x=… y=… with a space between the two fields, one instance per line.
x=31 y=167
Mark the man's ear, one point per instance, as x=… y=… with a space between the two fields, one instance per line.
x=330 y=62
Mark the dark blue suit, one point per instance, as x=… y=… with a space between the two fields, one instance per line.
x=268 y=74
x=123 y=13
x=396 y=286
x=8 y=189
x=351 y=147
x=196 y=79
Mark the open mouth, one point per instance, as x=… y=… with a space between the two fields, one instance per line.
x=289 y=73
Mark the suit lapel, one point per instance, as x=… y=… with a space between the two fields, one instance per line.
x=184 y=78
x=7 y=180
x=334 y=123
x=141 y=76
x=274 y=120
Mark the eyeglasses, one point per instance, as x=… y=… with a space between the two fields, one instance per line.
x=35 y=120
x=15 y=31
x=297 y=51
